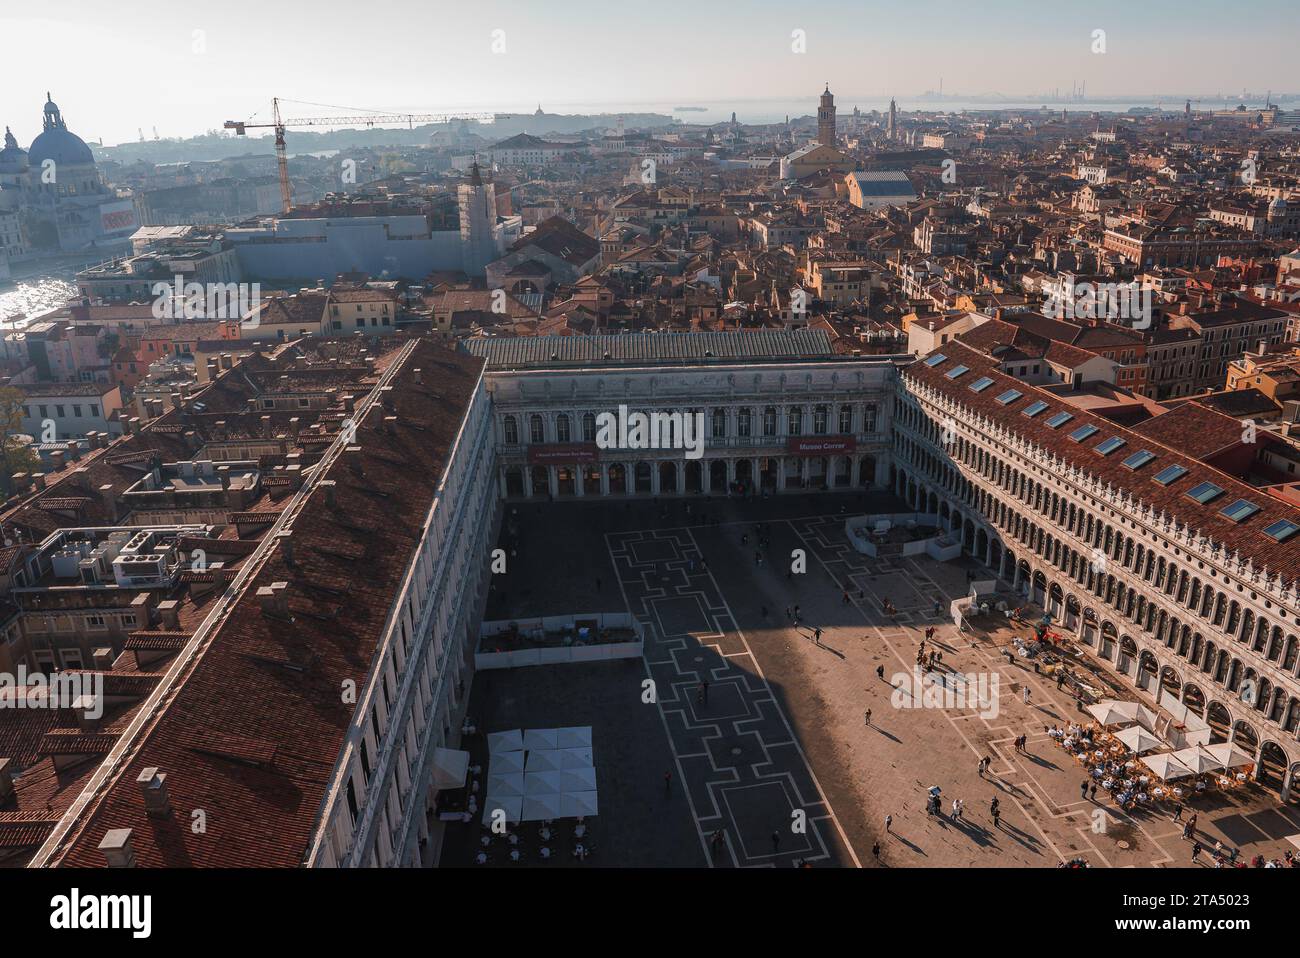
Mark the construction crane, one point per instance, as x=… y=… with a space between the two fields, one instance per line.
x=279 y=124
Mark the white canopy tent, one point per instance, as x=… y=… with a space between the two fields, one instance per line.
x=577 y=737
x=540 y=808
x=1198 y=759
x=579 y=805
x=578 y=780
x=544 y=760
x=506 y=785
x=1165 y=766
x=542 y=783
x=1139 y=740
x=541 y=738
x=501 y=762
x=511 y=741
x=1229 y=755
x=575 y=758
x=513 y=808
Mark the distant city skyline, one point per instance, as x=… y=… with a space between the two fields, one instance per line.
x=140 y=66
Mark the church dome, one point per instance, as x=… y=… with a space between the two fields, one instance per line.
x=13 y=158
x=58 y=143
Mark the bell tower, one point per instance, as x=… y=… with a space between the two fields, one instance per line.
x=826 y=118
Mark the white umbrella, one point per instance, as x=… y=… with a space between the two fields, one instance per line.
x=541 y=738
x=502 y=762
x=511 y=741
x=1138 y=739
x=1198 y=760
x=1229 y=755
x=506 y=784
x=579 y=805
x=1165 y=766
x=540 y=808
x=512 y=806
x=543 y=760
x=542 y=783
x=1112 y=712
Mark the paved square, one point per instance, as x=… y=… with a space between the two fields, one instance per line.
x=783 y=730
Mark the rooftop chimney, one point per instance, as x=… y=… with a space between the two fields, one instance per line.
x=329 y=485
x=117 y=850
x=274 y=599
x=285 y=538
x=89 y=709
x=170 y=617
x=6 y=781
x=153 y=784
x=102 y=657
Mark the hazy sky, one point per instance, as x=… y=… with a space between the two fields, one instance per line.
x=118 y=66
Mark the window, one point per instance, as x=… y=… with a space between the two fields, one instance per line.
x=511 y=430
x=536 y=429
x=76 y=410
x=957 y=371
x=1109 y=446
x=1169 y=473
x=1083 y=432
x=1240 y=510
x=1281 y=530
x=1058 y=420
x=936 y=359
x=846 y=419
x=588 y=427
x=1139 y=459
x=1010 y=396
x=743 y=422
x=981 y=384
x=821 y=419
x=96 y=622
x=769 y=421
x=1034 y=408
x=1204 y=492
x=562 y=428
x=719 y=424
x=795 y=421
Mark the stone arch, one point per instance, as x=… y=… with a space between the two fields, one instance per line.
x=1194 y=699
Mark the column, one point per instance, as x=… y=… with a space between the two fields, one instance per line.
x=528 y=481
x=855 y=470
x=580 y=480
x=604 y=478
x=654 y=477
x=501 y=481
x=805 y=470
x=780 y=473
x=706 y=476
x=553 y=482
x=680 y=466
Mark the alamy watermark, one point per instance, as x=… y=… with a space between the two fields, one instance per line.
x=656 y=430
x=182 y=300
x=946 y=690
x=1128 y=302
x=83 y=691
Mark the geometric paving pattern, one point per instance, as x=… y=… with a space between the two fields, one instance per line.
x=742 y=768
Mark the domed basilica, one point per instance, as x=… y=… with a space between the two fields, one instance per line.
x=54 y=192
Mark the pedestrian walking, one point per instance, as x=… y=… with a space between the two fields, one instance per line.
x=868 y=716
x=1083 y=788
x=880 y=671
x=889 y=824
x=997 y=818
x=704 y=691
x=1178 y=812
x=796 y=613
x=1196 y=851
x=1093 y=791
x=668 y=782
x=846 y=598
x=817 y=636
x=875 y=850
x=776 y=841
x=1024 y=694
x=1191 y=823
x=1187 y=831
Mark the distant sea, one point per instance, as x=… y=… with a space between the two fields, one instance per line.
x=761 y=111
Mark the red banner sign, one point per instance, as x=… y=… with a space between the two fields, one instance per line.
x=820 y=445
x=565 y=454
